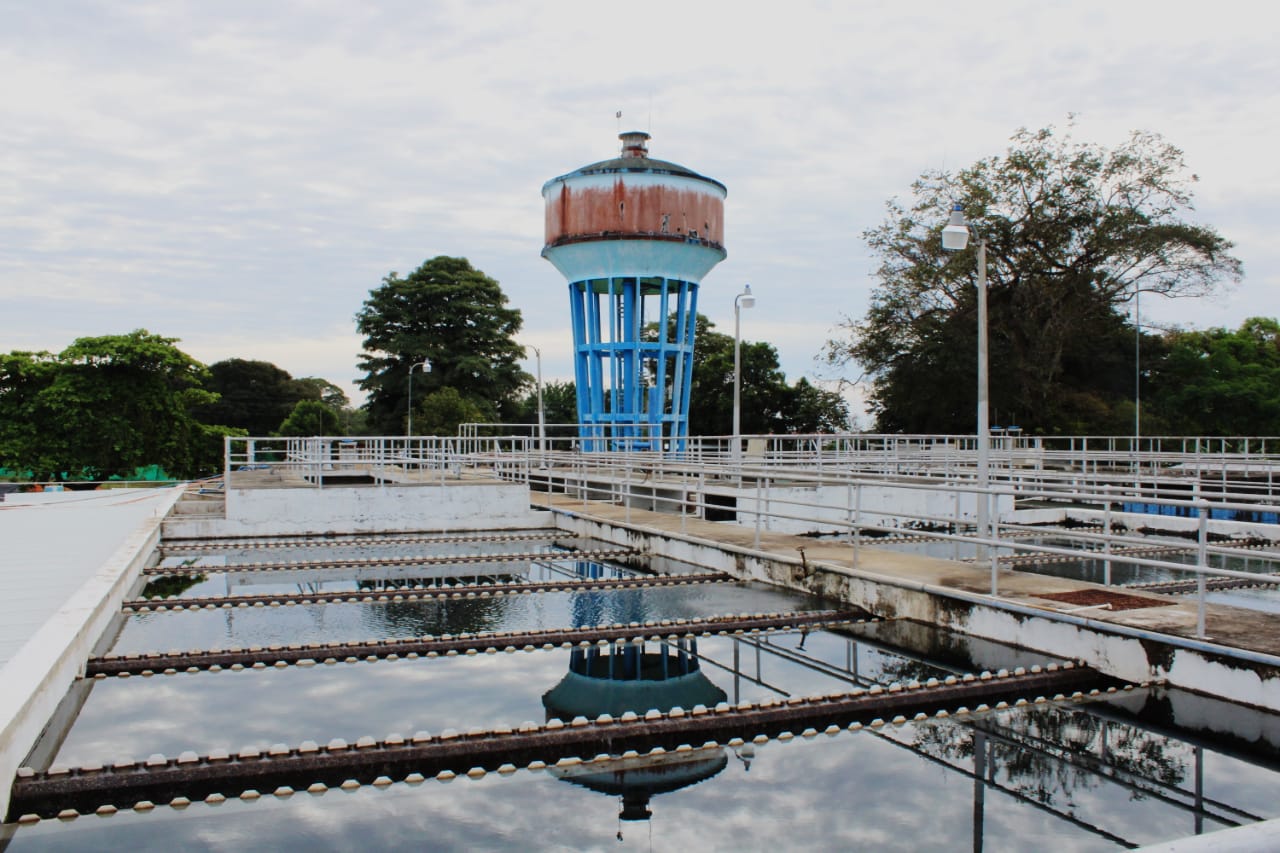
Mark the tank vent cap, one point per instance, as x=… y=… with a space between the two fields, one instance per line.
x=633 y=143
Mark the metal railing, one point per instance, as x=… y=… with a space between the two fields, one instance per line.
x=858 y=488
x=771 y=495
x=382 y=460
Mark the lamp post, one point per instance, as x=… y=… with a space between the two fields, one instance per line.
x=1135 y=456
x=955 y=236
x=542 y=417
x=742 y=300
x=425 y=366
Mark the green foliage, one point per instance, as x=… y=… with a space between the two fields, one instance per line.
x=172 y=585
x=1073 y=231
x=254 y=395
x=442 y=410
x=326 y=392
x=1219 y=382
x=106 y=406
x=768 y=403
x=350 y=421
x=311 y=417
x=814 y=409
x=559 y=405
x=457 y=318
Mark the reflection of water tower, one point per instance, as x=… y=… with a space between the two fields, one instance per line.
x=631 y=677
x=634 y=236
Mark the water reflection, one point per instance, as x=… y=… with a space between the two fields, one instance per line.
x=1057 y=777
x=356 y=578
x=314 y=623
x=636 y=677
x=1139 y=768
x=636 y=781
x=1095 y=570
x=632 y=677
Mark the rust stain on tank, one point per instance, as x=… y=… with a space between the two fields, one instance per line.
x=627 y=209
x=562 y=211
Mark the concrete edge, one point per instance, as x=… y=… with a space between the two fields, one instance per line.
x=39 y=674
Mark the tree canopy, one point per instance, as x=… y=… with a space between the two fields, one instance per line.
x=455 y=317
x=255 y=396
x=1073 y=231
x=769 y=404
x=311 y=417
x=106 y=406
x=326 y=392
x=559 y=405
x=1218 y=382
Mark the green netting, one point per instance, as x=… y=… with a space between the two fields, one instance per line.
x=149 y=473
x=144 y=472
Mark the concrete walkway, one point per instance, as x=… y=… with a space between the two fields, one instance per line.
x=51 y=543
x=1232 y=627
x=66 y=561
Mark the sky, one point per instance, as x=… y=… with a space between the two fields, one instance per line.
x=239 y=175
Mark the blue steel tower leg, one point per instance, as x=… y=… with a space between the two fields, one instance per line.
x=681 y=427
x=616 y=357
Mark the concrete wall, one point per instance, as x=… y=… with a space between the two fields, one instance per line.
x=453 y=506
x=888 y=506
x=37 y=678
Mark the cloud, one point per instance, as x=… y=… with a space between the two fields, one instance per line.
x=232 y=173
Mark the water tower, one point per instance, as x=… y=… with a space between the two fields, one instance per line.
x=634 y=237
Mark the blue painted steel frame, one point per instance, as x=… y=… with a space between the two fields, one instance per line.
x=633 y=394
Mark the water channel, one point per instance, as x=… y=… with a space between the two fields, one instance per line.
x=1124 y=769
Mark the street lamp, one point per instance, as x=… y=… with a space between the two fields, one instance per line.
x=742 y=300
x=425 y=366
x=955 y=236
x=542 y=417
x=1137 y=369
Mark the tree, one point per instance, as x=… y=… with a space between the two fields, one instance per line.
x=26 y=424
x=559 y=406
x=813 y=409
x=441 y=411
x=457 y=318
x=1073 y=231
x=311 y=417
x=351 y=421
x=326 y=392
x=768 y=404
x=1219 y=382
x=106 y=406
x=254 y=395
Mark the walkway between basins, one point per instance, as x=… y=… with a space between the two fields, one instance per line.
x=827 y=565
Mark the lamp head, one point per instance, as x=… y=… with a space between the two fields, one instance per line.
x=955 y=236
x=745 y=299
